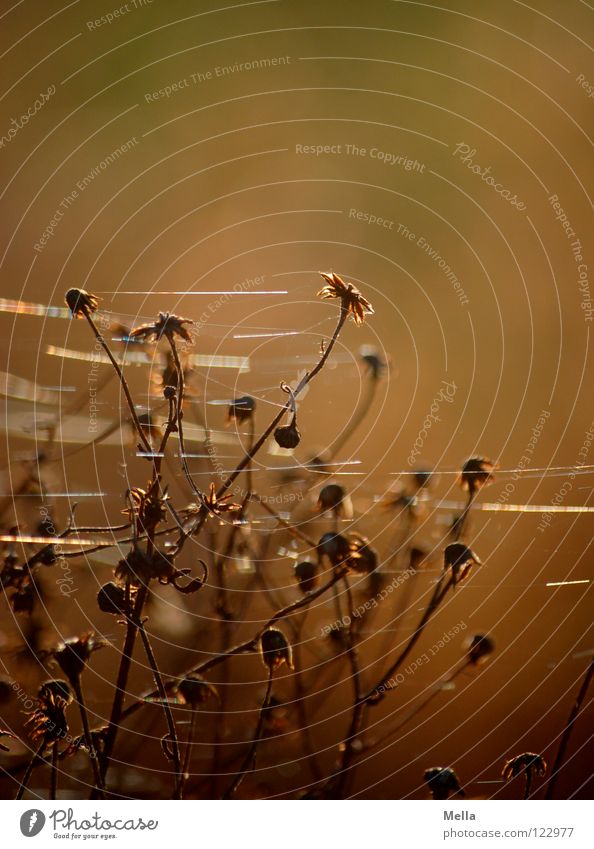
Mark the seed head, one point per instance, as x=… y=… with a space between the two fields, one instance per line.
x=288 y=436
x=81 y=303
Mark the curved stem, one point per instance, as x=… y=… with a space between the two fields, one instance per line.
x=188 y=753
x=122 y=680
x=30 y=767
x=240 y=648
x=54 y=772
x=123 y=382
x=573 y=715
x=166 y=708
x=363 y=408
x=463 y=519
x=249 y=760
x=78 y=692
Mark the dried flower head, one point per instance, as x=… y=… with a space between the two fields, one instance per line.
x=443 y=781
x=195 y=691
x=241 y=409
x=112 y=599
x=478 y=648
x=528 y=762
x=307 y=575
x=351 y=299
x=275 y=649
x=363 y=558
x=147 y=506
x=217 y=506
x=48 y=720
x=460 y=559
x=168 y=325
x=73 y=654
x=476 y=473
x=81 y=303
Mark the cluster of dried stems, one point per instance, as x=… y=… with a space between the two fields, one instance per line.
x=325 y=567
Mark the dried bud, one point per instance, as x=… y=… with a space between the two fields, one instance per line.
x=476 y=473
x=288 y=436
x=195 y=691
x=80 y=302
x=112 y=599
x=169 y=392
x=373 y=361
x=442 y=781
x=422 y=478
x=306 y=573
x=332 y=497
x=241 y=409
x=460 y=559
x=275 y=650
x=335 y=547
x=478 y=648
x=73 y=654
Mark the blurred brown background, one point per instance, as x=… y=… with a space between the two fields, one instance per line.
x=214 y=188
